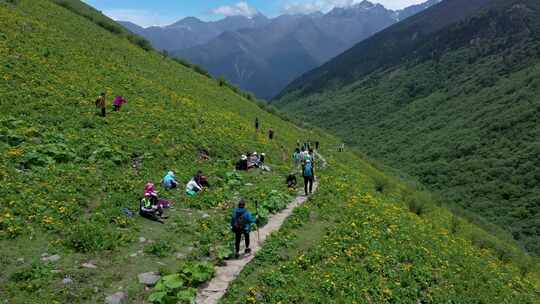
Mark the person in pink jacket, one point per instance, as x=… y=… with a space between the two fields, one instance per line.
x=118 y=102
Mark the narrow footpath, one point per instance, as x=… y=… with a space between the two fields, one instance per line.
x=212 y=292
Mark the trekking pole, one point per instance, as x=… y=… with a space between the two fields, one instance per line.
x=258 y=231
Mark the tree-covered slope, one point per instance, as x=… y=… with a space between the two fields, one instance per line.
x=458 y=110
x=67 y=174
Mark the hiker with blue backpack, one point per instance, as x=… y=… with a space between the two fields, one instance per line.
x=309 y=176
x=241 y=225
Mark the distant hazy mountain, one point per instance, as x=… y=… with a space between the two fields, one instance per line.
x=191 y=31
x=263 y=55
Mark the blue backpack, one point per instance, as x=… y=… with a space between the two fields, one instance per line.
x=308 y=170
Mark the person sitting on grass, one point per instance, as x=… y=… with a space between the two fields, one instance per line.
x=291 y=181
x=150 y=209
x=241 y=225
x=193 y=188
x=242 y=164
x=169 y=181
x=254 y=161
x=151 y=193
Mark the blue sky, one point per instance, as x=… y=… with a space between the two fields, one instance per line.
x=163 y=12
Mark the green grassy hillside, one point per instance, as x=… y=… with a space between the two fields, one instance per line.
x=459 y=111
x=66 y=174
x=381 y=244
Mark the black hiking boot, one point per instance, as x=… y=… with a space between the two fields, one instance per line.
x=236 y=255
x=247 y=251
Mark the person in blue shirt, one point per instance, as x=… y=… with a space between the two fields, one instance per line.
x=241 y=225
x=169 y=181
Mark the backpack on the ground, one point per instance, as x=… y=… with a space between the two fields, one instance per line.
x=308 y=170
x=240 y=222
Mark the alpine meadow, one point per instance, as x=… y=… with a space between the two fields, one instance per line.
x=81 y=222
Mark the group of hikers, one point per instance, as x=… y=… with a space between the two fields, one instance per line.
x=304 y=158
x=152 y=206
x=101 y=103
x=254 y=160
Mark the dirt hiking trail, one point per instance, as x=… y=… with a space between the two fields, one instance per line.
x=212 y=292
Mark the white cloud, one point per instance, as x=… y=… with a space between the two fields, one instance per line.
x=239 y=9
x=311 y=6
x=140 y=17
x=314 y=6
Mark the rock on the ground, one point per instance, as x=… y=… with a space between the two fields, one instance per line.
x=89 y=265
x=205 y=215
x=67 y=281
x=51 y=258
x=117 y=298
x=149 y=278
x=180 y=255
x=142 y=240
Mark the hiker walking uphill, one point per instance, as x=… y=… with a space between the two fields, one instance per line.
x=101 y=104
x=309 y=177
x=257 y=125
x=241 y=225
x=271 y=134
x=297 y=157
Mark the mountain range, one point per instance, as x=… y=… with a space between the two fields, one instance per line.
x=263 y=55
x=448 y=96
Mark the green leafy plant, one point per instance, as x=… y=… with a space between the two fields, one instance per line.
x=180 y=287
x=161 y=248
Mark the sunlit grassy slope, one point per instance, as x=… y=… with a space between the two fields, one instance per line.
x=65 y=175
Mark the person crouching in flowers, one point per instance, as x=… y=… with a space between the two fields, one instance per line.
x=118 y=102
x=192 y=187
x=169 y=181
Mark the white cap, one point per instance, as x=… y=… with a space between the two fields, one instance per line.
x=244 y=157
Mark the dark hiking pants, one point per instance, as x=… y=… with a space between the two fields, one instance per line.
x=308 y=184
x=238 y=238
